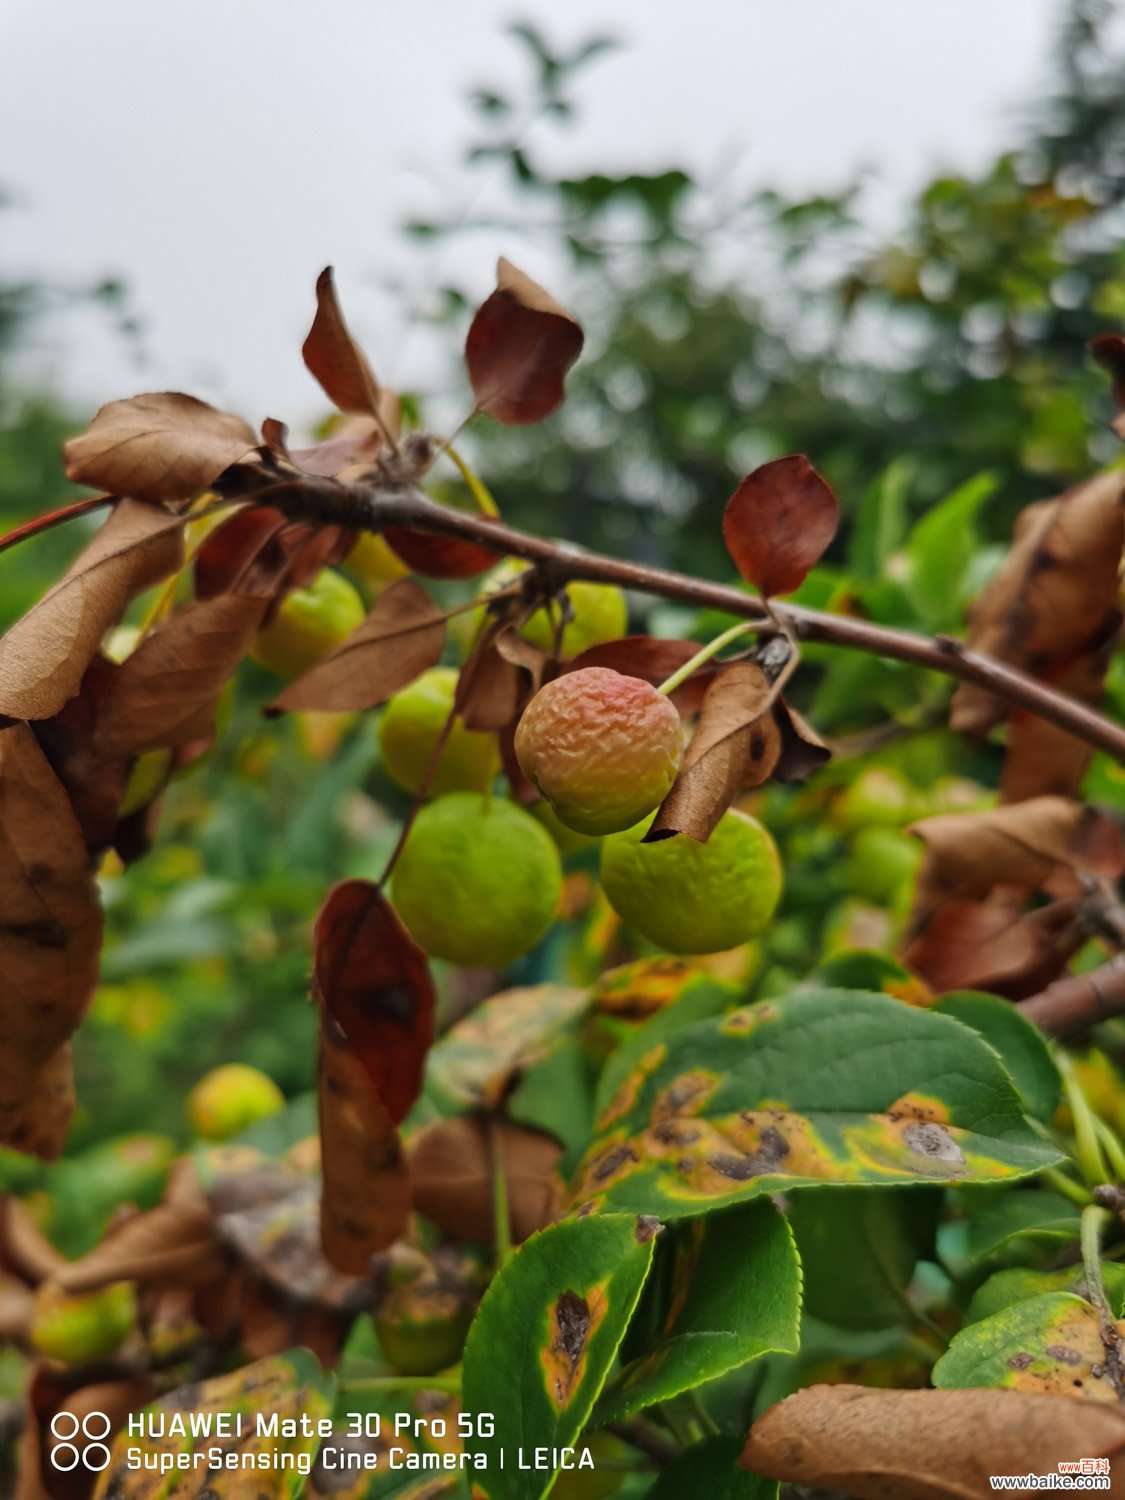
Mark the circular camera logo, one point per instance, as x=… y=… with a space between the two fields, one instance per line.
x=80 y=1442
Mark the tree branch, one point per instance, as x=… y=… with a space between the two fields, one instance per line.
x=1078 y=1001
x=366 y=508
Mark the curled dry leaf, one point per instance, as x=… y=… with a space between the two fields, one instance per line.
x=173 y=1242
x=778 y=523
x=802 y=749
x=925 y=1445
x=489 y=687
x=401 y=637
x=49 y=1109
x=991 y=945
x=1040 y=759
x=374 y=981
x=51 y=933
x=1026 y=845
x=736 y=740
x=225 y=559
x=160 y=446
x=519 y=347
x=333 y=357
x=165 y=694
x=365 y=1191
x=94 y=786
x=1049 y=603
x=451 y=1168
x=44 y=656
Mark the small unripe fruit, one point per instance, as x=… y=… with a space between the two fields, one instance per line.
x=689 y=897
x=374 y=564
x=76 y=1329
x=308 y=624
x=410 y=727
x=598 y=611
x=603 y=748
x=230 y=1099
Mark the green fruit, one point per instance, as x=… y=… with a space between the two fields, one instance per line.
x=600 y=613
x=230 y=1099
x=408 y=731
x=881 y=864
x=150 y=772
x=479 y=880
x=568 y=840
x=374 y=564
x=878 y=797
x=689 y=897
x=76 y=1329
x=603 y=748
x=309 y=622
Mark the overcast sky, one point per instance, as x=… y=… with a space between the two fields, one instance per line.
x=215 y=154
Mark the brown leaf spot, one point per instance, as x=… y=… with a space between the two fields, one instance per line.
x=932 y=1141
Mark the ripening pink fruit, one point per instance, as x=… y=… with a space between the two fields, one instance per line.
x=603 y=748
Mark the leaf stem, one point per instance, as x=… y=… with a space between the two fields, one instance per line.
x=501 y=1215
x=704 y=654
x=1094 y=1220
x=1062 y=1184
x=477 y=487
x=1090 y=1158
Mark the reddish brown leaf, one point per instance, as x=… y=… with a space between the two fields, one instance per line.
x=374 y=980
x=991 y=945
x=1050 y=601
x=489 y=687
x=778 y=523
x=43 y=656
x=333 y=357
x=355 y=443
x=925 y=1445
x=802 y=749
x=402 y=636
x=654 y=660
x=50 y=930
x=434 y=556
x=52 y=1392
x=47 y=1112
x=173 y=680
x=94 y=787
x=365 y=1188
x=160 y=446
x=451 y=1168
x=227 y=555
x=717 y=761
x=519 y=347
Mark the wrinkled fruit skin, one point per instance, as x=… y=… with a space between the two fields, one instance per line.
x=695 y=898
x=76 y=1329
x=408 y=731
x=603 y=748
x=230 y=1099
x=478 y=883
x=308 y=624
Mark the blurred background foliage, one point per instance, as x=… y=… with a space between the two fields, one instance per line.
x=939 y=379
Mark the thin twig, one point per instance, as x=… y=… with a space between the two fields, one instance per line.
x=1093 y=1218
x=1078 y=1001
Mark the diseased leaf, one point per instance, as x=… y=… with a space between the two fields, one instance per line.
x=420 y=1448
x=735 y=743
x=924 y=1445
x=1049 y=602
x=738 y=1296
x=452 y=1171
x=160 y=446
x=519 y=347
x=1050 y=1345
x=1021 y=1045
x=374 y=981
x=548 y=1328
x=1033 y=1213
x=50 y=937
x=402 y=636
x=1040 y=759
x=44 y=656
x=165 y=694
x=333 y=357
x=1016 y=1284
x=778 y=522
x=174 y=1242
x=824 y=1086
x=291 y=1388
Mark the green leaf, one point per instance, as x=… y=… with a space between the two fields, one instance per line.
x=829 y=1086
x=1004 y=1217
x=941 y=547
x=545 y=1337
x=1017 y=1283
x=736 y=1295
x=365 y=1425
x=711 y=1469
x=1050 y=1344
x=880 y=525
x=290 y=1387
x=866 y=969
x=1020 y=1044
x=859 y=1250
x=556 y=1095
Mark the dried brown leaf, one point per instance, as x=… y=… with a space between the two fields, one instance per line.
x=718 y=758
x=45 y=1119
x=333 y=357
x=1050 y=601
x=94 y=787
x=925 y=1445
x=434 y=556
x=160 y=446
x=172 y=682
x=402 y=636
x=991 y=945
x=1109 y=351
x=43 y=656
x=451 y=1167
x=365 y=1190
x=25 y=1250
x=50 y=929
x=173 y=1242
x=489 y=688
x=802 y=749
x=778 y=523
x=519 y=347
